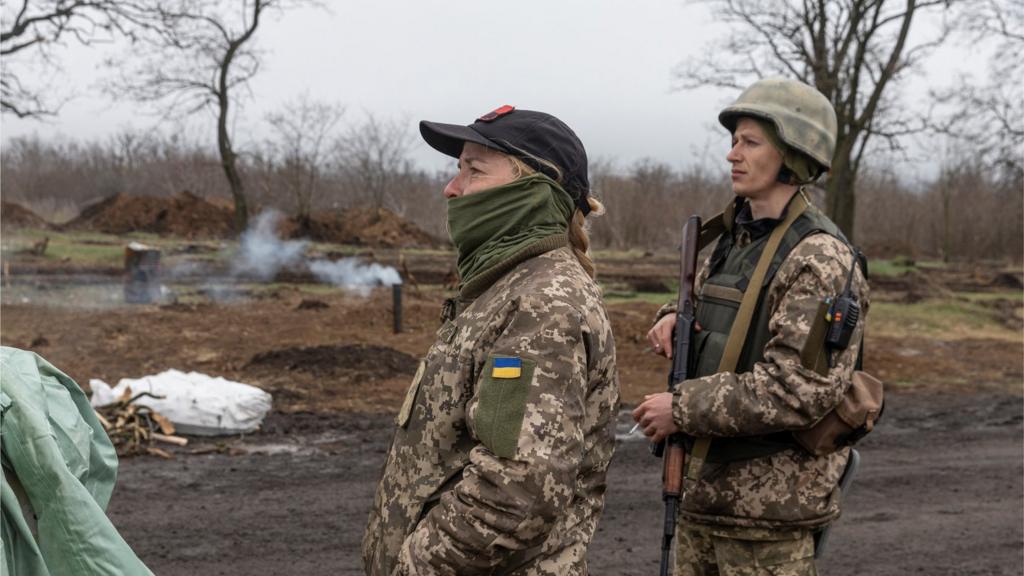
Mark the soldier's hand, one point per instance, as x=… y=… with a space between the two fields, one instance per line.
x=655 y=416
x=660 y=336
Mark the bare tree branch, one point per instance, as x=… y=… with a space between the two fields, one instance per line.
x=853 y=51
x=983 y=113
x=29 y=30
x=196 y=59
x=303 y=128
x=374 y=155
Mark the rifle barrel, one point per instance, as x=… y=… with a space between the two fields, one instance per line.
x=672 y=447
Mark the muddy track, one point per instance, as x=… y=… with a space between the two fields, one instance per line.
x=939 y=493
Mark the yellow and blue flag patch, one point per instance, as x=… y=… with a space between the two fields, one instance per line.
x=507 y=368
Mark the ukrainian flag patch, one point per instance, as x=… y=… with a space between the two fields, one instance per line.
x=507 y=367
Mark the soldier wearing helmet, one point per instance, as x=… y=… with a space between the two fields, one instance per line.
x=754 y=498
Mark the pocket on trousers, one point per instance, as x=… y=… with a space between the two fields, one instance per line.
x=739 y=553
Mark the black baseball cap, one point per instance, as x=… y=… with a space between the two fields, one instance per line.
x=525 y=134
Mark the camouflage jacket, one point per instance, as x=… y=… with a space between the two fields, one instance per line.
x=791 y=488
x=499 y=460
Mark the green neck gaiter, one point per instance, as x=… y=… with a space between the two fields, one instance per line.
x=491 y=226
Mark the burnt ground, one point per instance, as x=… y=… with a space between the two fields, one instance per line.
x=939 y=493
x=365 y=360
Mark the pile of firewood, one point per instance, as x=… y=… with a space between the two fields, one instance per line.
x=134 y=427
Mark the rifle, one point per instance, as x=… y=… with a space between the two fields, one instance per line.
x=672 y=448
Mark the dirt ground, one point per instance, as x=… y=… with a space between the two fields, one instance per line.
x=333 y=351
x=940 y=490
x=939 y=493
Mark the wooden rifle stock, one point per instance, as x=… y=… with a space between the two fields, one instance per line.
x=672 y=447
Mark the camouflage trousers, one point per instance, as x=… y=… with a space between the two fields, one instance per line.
x=731 y=551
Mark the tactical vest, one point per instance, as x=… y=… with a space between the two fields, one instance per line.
x=730 y=270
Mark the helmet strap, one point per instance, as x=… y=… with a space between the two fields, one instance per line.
x=786 y=175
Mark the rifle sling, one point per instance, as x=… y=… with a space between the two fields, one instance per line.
x=740 y=326
x=711 y=230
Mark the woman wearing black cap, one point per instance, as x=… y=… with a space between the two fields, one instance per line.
x=503 y=442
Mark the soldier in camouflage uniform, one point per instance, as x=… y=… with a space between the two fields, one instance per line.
x=757 y=500
x=498 y=463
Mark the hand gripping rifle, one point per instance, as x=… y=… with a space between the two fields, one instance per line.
x=671 y=449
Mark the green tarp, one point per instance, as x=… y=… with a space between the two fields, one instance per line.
x=57 y=455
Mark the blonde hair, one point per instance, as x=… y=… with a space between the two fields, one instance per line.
x=579 y=226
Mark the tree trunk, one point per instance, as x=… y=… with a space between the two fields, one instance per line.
x=947 y=222
x=227 y=153
x=227 y=162
x=840 y=194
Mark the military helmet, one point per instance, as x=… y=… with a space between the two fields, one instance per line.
x=803 y=117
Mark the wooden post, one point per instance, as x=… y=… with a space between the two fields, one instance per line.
x=396 y=307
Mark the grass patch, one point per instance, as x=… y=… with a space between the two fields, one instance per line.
x=617 y=254
x=900 y=265
x=616 y=297
x=427 y=251
x=334 y=249
x=94 y=254
x=1016 y=296
x=76 y=247
x=939 y=319
x=98 y=249
x=312 y=289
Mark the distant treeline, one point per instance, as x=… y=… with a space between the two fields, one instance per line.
x=968 y=212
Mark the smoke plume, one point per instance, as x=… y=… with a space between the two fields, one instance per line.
x=351 y=274
x=262 y=254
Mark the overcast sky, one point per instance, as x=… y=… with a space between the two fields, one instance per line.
x=602 y=66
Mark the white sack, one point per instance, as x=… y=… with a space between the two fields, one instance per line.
x=194 y=402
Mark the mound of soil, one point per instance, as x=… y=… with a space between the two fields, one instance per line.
x=367 y=360
x=1007 y=312
x=1011 y=280
x=184 y=214
x=312 y=304
x=16 y=216
x=373 y=227
x=912 y=286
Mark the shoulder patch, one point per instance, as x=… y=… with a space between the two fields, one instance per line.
x=501 y=403
x=507 y=367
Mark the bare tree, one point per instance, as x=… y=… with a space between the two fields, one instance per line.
x=303 y=128
x=985 y=116
x=630 y=194
x=201 y=57
x=375 y=155
x=853 y=51
x=29 y=30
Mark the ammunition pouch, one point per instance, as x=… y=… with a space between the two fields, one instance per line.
x=851 y=420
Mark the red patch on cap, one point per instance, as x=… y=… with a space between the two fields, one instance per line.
x=496 y=113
